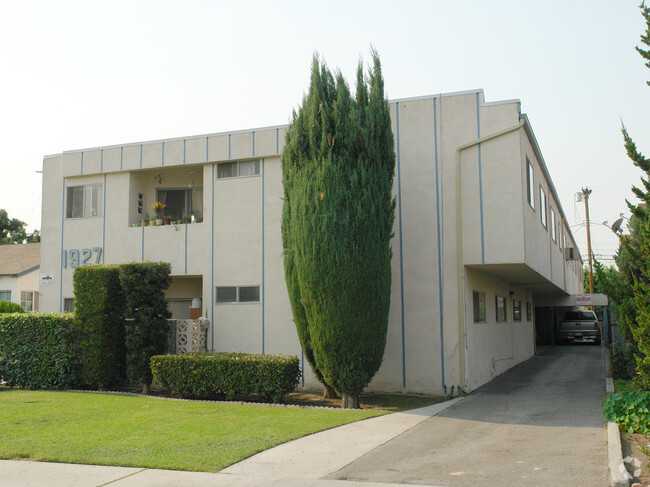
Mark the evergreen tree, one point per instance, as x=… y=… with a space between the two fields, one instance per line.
x=632 y=294
x=144 y=285
x=338 y=166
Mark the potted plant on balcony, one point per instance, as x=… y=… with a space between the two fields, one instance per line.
x=145 y=220
x=167 y=219
x=158 y=209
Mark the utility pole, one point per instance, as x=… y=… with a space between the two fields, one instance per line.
x=585 y=193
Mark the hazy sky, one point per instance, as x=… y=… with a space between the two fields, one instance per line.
x=79 y=74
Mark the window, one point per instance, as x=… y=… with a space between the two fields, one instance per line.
x=5 y=296
x=529 y=311
x=29 y=300
x=516 y=309
x=68 y=305
x=479 y=307
x=530 y=185
x=553 y=226
x=84 y=201
x=542 y=206
x=502 y=314
x=238 y=169
x=182 y=203
x=238 y=294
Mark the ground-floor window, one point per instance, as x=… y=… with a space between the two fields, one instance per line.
x=480 y=314
x=68 y=305
x=529 y=311
x=502 y=314
x=238 y=294
x=516 y=309
x=29 y=300
x=5 y=296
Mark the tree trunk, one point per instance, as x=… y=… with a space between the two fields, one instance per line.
x=329 y=392
x=350 y=401
x=145 y=389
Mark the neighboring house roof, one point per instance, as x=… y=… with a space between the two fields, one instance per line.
x=17 y=259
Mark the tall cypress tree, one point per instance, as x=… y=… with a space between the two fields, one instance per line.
x=338 y=166
x=633 y=301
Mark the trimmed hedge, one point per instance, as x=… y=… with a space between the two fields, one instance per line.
x=39 y=350
x=99 y=317
x=144 y=285
x=230 y=374
x=10 y=307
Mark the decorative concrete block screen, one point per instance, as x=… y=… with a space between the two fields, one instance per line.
x=188 y=336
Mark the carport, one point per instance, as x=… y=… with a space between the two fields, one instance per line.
x=549 y=311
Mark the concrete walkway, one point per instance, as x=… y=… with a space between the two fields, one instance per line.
x=537 y=424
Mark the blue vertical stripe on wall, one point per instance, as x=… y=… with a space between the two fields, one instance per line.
x=212 y=290
x=82 y=163
x=186 y=249
x=140 y=156
x=401 y=253
x=440 y=285
x=480 y=179
x=263 y=262
x=61 y=268
x=104 y=224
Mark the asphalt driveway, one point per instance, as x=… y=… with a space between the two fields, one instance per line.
x=538 y=424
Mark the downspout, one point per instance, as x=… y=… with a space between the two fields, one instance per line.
x=462 y=332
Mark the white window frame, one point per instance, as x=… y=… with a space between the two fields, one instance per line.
x=30 y=297
x=553 y=226
x=530 y=183
x=92 y=193
x=4 y=293
x=239 y=170
x=543 y=216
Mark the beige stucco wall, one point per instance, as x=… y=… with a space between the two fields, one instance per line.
x=239 y=241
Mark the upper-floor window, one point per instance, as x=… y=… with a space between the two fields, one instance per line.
x=542 y=206
x=84 y=201
x=182 y=203
x=553 y=226
x=530 y=187
x=238 y=169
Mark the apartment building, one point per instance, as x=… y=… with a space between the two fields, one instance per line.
x=480 y=235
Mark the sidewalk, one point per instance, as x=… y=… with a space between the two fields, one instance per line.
x=303 y=462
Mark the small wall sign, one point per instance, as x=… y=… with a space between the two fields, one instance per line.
x=47 y=279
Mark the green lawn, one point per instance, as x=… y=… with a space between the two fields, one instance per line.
x=113 y=429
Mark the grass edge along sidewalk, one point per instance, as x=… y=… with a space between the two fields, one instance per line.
x=133 y=431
